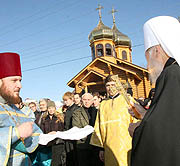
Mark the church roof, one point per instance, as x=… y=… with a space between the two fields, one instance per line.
x=89 y=70
x=101 y=31
x=120 y=38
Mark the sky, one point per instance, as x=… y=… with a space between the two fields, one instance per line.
x=51 y=37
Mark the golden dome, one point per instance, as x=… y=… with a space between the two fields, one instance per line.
x=119 y=38
x=100 y=32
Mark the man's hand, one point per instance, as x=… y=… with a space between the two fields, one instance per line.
x=140 y=110
x=52 y=132
x=25 y=129
x=132 y=127
x=101 y=155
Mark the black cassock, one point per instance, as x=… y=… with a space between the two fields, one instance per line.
x=156 y=142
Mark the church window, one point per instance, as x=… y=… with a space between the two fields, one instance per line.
x=99 y=49
x=124 y=55
x=108 y=49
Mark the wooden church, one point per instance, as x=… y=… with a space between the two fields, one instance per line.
x=111 y=54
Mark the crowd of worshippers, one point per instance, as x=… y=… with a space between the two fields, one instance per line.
x=77 y=110
x=49 y=119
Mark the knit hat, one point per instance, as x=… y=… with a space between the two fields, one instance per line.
x=50 y=104
x=9 y=65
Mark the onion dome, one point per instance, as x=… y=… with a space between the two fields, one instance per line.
x=119 y=38
x=100 y=32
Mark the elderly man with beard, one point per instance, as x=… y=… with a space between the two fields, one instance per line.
x=156 y=140
x=18 y=132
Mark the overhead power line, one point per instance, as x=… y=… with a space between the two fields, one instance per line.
x=54 y=64
x=138 y=45
x=53 y=48
x=34 y=20
x=48 y=43
x=58 y=63
x=46 y=29
x=32 y=58
x=27 y=60
x=50 y=56
x=28 y=17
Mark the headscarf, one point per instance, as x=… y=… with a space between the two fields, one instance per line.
x=164 y=31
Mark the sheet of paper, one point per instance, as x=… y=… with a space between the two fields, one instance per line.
x=74 y=133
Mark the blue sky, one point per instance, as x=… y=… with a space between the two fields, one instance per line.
x=51 y=36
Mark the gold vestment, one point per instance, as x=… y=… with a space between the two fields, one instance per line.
x=111 y=131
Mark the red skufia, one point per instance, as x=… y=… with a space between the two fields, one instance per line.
x=9 y=65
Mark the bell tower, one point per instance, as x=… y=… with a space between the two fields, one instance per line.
x=101 y=40
x=121 y=41
x=109 y=43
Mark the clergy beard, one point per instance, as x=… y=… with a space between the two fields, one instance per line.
x=155 y=69
x=6 y=94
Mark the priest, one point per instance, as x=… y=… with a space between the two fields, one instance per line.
x=111 y=127
x=156 y=141
x=19 y=135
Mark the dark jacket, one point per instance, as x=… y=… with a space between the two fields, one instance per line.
x=53 y=124
x=81 y=118
x=157 y=140
x=68 y=116
x=70 y=145
x=58 y=151
x=39 y=116
x=93 y=114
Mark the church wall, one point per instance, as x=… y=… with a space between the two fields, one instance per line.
x=101 y=68
x=121 y=74
x=147 y=85
x=119 y=50
x=140 y=88
x=131 y=68
x=77 y=89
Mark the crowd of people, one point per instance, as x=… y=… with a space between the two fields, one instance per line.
x=77 y=111
x=141 y=132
